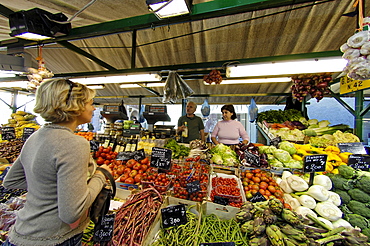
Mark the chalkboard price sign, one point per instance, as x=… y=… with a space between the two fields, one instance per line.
x=193 y=186
x=361 y=162
x=27 y=131
x=103 y=232
x=354 y=148
x=8 y=133
x=221 y=200
x=314 y=163
x=161 y=158
x=94 y=145
x=218 y=244
x=174 y=216
x=258 y=197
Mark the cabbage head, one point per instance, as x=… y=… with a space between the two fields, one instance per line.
x=324 y=123
x=217 y=159
x=288 y=146
x=266 y=149
x=282 y=155
x=313 y=121
x=275 y=163
x=294 y=164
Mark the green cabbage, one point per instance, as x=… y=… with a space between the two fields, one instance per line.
x=217 y=159
x=266 y=149
x=282 y=155
x=294 y=164
x=275 y=163
x=288 y=146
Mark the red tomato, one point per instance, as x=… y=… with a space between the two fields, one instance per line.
x=127 y=170
x=103 y=155
x=145 y=161
x=144 y=167
x=129 y=180
x=138 y=178
x=100 y=161
x=271 y=188
x=130 y=163
x=136 y=166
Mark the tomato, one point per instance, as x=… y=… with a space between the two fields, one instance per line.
x=138 y=178
x=136 y=166
x=133 y=173
x=105 y=151
x=263 y=185
x=120 y=170
x=145 y=161
x=144 y=167
x=256 y=179
x=108 y=157
x=100 y=161
x=130 y=163
x=271 y=188
x=249 y=175
x=103 y=155
x=262 y=191
x=127 y=170
x=123 y=177
x=255 y=187
x=129 y=180
x=107 y=162
x=257 y=170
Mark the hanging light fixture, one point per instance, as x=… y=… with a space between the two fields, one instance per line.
x=169 y=8
x=37 y=24
x=319 y=65
x=119 y=79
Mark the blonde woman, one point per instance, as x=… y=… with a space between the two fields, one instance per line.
x=53 y=167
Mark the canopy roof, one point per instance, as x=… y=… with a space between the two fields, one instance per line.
x=114 y=37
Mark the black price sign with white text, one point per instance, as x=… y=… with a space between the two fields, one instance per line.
x=27 y=131
x=161 y=158
x=354 y=148
x=8 y=133
x=258 y=197
x=103 y=232
x=314 y=163
x=193 y=186
x=221 y=200
x=361 y=162
x=174 y=216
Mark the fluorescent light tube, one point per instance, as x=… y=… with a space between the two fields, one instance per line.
x=321 y=65
x=127 y=86
x=14 y=84
x=252 y=81
x=119 y=79
x=32 y=36
x=96 y=87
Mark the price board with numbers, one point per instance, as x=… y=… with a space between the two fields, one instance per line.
x=8 y=133
x=103 y=232
x=361 y=162
x=174 y=216
x=161 y=158
x=314 y=163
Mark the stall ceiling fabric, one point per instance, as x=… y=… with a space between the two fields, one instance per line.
x=290 y=29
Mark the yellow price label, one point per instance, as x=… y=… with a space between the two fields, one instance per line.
x=348 y=85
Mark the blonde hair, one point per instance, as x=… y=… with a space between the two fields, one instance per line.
x=60 y=100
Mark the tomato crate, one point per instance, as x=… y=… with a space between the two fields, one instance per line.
x=233 y=194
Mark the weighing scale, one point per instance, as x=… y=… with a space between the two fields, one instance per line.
x=155 y=113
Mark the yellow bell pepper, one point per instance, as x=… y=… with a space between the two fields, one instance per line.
x=301 y=152
x=306 y=147
x=297 y=157
x=332 y=149
x=333 y=159
x=344 y=156
x=329 y=167
x=320 y=151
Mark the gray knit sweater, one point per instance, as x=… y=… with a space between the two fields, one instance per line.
x=53 y=167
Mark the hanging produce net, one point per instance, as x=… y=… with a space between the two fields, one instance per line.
x=175 y=88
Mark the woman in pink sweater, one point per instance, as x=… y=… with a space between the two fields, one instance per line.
x=228 y=131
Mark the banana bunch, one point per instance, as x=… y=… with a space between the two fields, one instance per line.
x=20 y=120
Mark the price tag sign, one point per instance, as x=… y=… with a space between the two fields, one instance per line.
x=193 y=186
x=94 y=145
x=174 y=216
x=361 y=162
x=314 y=163
x=161 y=158
x=354 y=148
x=8 y=133
x=218 y=244
x=258 y=197
x=103 y=232
x=27 y=131
x=221 y=200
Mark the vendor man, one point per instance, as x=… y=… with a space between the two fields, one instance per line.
x=194 y=124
